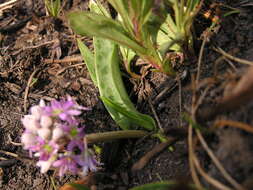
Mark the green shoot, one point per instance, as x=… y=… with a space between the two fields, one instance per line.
x=104 y=69
x=53 y=7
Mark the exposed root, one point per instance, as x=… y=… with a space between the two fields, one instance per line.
x=231 y=57
x=235 y=124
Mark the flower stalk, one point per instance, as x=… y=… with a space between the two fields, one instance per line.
x=114 y=135
x=54 y=135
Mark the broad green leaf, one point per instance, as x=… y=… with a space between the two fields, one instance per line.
x=110 y=83
x=108 y=77
x=164 y=185
x=95 y=25
x=136 y=118
x=105 y=73
x=155 y=186
x=89 y=60
x=79 y=187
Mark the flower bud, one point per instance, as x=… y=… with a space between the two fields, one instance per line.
x=45 y=121
x=44 y=133
x=36 y=112
x=57 y=133
x=42 y=103
x=30 y=123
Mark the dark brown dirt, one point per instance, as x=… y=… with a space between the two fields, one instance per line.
x=28 y=37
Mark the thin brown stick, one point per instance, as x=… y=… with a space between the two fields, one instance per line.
x=194 y=175
x=200 y=58
x=149 y=155
x=194 y=107
x=66 y=60
x=14 y=143
x=7 y=4
x=211 y=180
x=28 y=87
x=68 y=67
x=180 y=100
x=9 y=153
x=190 y=137
x=155 y=115
x=39 y=45
x=233 y=58
x=218 y=164
x=200 y=100
x=235 y=124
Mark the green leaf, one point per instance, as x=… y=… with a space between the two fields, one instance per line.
x=56 y=7
x=121 y=6
x=105 y=73
x=89 y=60
x=95 y=25
x=136 y=118
x=155 y=186
x=141 y=10
x=79 y=187
x=53 y=7
x=97 y=7
x=110 y=83
x=164 y=185
x=128 y=56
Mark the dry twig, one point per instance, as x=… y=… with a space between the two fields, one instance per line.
x=148 y=156
x=7 y=5
x=9 y=153
x=155 y=114
x=66 y=60
x=28 y=87
x=68 y=67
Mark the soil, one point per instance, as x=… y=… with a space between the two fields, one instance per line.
x=29 y=40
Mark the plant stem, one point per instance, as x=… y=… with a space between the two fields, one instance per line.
x=114 y=135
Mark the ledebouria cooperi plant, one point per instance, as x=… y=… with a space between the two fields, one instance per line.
x=54 y=134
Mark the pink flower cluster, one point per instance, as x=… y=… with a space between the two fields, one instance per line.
x=53 y=134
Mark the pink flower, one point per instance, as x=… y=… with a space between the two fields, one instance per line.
x=87 y=161
x=46 y=150
x=66 y=163
x=64 y=109
x=45 y=165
